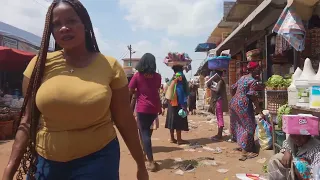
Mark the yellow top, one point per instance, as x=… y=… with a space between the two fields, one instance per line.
x=75 y=106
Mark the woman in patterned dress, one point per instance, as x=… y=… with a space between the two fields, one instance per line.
x=242 y=112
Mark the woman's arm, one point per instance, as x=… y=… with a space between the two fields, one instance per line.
x=126 y=124
x=21 y=139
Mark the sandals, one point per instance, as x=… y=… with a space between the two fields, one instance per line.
x=173 y=141
x=238 y=149
x=248 y=156
x=153 y=167
x=231 y=141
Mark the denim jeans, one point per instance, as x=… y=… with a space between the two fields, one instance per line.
x=103 y=164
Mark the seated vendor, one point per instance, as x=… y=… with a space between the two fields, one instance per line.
x=299 y=154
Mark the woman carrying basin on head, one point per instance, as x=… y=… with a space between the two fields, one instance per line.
x=71 y=95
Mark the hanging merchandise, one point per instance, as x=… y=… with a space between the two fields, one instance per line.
x=292 y=89
x=281 y=45
x=302 y=83
x=291 y=28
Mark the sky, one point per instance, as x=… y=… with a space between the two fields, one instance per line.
x=154 y=26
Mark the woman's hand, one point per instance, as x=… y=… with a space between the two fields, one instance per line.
x=127 y=126
x=286 y=159
x=142 y=173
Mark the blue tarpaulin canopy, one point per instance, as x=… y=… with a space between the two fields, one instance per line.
x=204 y=47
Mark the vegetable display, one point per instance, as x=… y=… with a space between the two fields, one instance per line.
x=277 y=82
x=283 y=110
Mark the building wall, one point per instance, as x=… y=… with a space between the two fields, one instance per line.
x=127 y=63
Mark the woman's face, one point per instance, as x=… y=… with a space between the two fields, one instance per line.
x=300 y=140
x=256 y=72
x=67 y=27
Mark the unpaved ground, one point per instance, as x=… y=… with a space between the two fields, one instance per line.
x=166 y=153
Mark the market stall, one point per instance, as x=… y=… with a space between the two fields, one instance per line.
x=12 y=64
x=296 y=46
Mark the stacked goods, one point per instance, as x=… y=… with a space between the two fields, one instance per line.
x=281 y=69
x=11 y=101
x=315 y=42
x=201 y=99
x=279 y=58
x=253 y=55
x=175 y=59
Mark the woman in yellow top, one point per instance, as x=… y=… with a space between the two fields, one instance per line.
x=67 y=130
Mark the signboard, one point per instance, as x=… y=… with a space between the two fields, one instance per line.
x=9 y=42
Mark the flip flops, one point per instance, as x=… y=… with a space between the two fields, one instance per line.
x=237 y=149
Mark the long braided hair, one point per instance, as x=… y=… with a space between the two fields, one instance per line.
x=29 y=159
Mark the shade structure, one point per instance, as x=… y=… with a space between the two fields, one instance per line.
x=204 y=47
x=14 y=60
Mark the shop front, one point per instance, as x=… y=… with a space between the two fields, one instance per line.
x=294 y=48
x=12 y=64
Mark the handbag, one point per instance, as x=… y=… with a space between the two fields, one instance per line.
x=170 y=90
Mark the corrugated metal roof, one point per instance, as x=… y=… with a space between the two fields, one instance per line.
x=241 y=9
x=21 y=35
x=260 y=8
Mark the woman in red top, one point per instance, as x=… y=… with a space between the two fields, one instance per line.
x=145 y=84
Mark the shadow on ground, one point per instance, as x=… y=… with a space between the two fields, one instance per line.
x=166 y=164
x=201 y=141
x=158 y=149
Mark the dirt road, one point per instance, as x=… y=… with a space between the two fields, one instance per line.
x=166 y=154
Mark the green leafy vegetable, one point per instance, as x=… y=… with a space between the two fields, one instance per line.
x=283 y=110
x=278 y=82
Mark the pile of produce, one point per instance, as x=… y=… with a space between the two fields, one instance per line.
x=5 y=114
x=283 y=110
x=277 y=82
x=175 y=57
